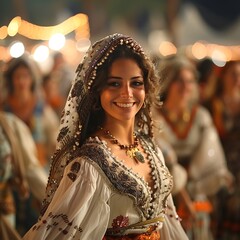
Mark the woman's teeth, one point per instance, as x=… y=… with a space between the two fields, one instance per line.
x=124 y=105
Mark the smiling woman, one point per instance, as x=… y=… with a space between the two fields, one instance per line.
x=108 y=180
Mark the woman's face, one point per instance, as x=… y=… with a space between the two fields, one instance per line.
x=183 y=87
x=124 y=93
x=22 y=80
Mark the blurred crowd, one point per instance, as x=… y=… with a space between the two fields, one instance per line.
x=196 y=125
x=30 y=110
x=198 y=116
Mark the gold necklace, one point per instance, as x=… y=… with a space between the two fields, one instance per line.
x=131 y=150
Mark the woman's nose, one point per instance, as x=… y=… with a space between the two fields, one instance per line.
x=126 y=91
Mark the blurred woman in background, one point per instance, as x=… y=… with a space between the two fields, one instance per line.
x=20 y=172
x=23 y=99
x=225 y=110
x=188 y=127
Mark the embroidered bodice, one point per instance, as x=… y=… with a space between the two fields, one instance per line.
x=149 y=203
x=98 y=194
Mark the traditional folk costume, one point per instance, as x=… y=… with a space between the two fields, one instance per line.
x=18 y=168
x=199 y=150
x=43 y=124
x=91 y=194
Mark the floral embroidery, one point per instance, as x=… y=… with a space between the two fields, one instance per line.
x=72 y=176
x=118 y=177
x=63 y=133
x=74 y=170
x=76 y=90
x=127 y=182
x=54 y=220
x=75 y=167
x=120 y=221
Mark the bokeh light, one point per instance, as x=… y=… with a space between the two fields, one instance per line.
x=83 y=44
x=199 y=50
x=16 y=49
x=57 y=41
x=41 y=53
x=167 y=48
x=219 y=58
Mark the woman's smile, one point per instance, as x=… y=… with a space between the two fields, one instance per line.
x=125 y=105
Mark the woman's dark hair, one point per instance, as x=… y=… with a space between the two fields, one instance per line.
x=205 y=67
x=150 y=83
x=14 y=64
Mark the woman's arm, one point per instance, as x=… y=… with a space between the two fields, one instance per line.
x=78 y=209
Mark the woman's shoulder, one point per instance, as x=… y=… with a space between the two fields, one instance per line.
x=204 y=115
x=13 y=121
x=202 y=110
x=94 y=149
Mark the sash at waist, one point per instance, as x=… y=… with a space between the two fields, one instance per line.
x=151 y=234
x=145 y=227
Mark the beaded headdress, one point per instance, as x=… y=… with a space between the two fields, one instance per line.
x=79 y=105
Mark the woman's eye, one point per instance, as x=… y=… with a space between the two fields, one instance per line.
x=113 y=84
x=137 y=83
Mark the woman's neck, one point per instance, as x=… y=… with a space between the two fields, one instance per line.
x=177 y=108
x=122 y=132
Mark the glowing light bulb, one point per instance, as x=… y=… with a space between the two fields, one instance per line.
x=17 y=49
x=41 y=53
x=57 y=41
x=14 y=26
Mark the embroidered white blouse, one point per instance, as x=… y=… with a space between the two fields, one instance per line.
x=98 y=193
x=207 y=171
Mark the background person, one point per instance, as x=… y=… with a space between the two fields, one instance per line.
x=189 y=129
x=20 y=172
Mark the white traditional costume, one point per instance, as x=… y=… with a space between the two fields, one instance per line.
x=92 y=195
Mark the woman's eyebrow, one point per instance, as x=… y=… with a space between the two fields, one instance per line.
x=115 y=77
x=136 y=77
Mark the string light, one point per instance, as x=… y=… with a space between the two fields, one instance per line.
x=14 y=26
x=79 y=24
x=17 y=25
x=167 y=48
x=55 y=35
x=199 y=50
x=3 y=32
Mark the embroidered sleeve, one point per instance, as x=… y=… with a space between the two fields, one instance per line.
x=79 y=207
